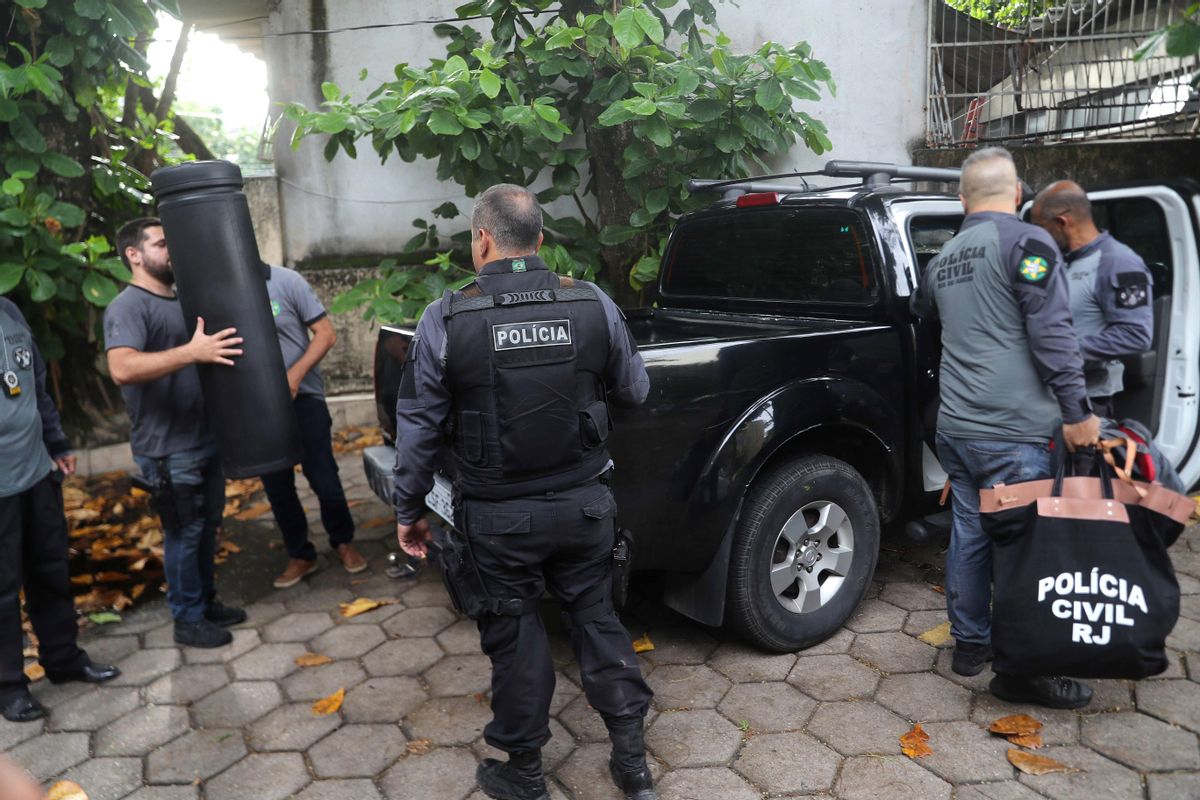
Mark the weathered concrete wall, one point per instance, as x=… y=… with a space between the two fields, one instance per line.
x=349 y=366
x=262 y=195
x=1091 y=164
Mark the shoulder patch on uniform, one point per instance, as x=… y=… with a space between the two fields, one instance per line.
x=1037 y=260
x=1132 y=289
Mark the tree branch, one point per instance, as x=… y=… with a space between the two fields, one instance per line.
x=168 y=93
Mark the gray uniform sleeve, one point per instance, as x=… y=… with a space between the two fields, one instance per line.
x=625 y=373
x=1039 y=284
x=422 y=410
x=1125 y=292
x=53 y=435
x=308 y=306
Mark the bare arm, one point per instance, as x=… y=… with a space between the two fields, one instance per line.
x=130 y=366
x=322 y=341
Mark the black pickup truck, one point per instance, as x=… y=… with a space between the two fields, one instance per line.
x=792 y=393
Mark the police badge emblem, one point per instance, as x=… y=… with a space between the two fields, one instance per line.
x=12 y=384
x=23 y=357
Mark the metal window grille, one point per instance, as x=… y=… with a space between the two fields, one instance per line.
x=1065 y=74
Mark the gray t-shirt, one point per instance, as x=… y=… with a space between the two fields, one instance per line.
x=25 y=432
x=167 y=413
x=295 y=306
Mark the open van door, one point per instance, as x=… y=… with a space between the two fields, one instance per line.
x=1161 y=223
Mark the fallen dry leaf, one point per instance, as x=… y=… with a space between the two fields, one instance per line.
x=480 y=697
x=937 y=587
x=378 y=522
x=1031 y=740
x=329 y=705
x=643 y=644
x=312 y=660
x=231 y=547
x=938 y=636
x=1033 y=764
x=362 y=605
x=66 y=790
x=1015 y=725
x=253 y=512
x=137 y=591
x=915 y=743
x=419 y=747
x=35 y=672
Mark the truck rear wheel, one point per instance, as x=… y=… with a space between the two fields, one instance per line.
x=803 y=554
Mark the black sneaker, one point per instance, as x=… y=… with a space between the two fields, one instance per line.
x=1042 y=691
x=201 y=634
x=969 y=658
x=224 y=615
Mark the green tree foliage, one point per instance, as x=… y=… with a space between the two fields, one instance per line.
x=611 y=105
x=1179 y=40
x=1003 y=13
x=78 y=132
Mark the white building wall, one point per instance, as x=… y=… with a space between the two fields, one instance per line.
x=347 y=207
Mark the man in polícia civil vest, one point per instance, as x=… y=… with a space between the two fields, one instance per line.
x=518 y=368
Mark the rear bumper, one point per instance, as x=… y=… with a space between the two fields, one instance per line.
x=378 y=463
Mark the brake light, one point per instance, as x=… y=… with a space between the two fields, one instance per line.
x=758 y=199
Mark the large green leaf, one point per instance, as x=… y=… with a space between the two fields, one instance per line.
x=60 y=51
x=98 y=289
x=615 y=115
x=649 y=25
x=69 y=214
x=26 y=135
x=10 y=276
x=729 y=141
x=707 y=110
x=8 y=110
x=1183 y=39
x=61 y=165
x=330 y=91
x=769 y=94
x=41 y=286
x=119 y=24
x=625 y=27
x=443 y=123
x=657 y=131
x=657 y=199
x=32 y=3
x=489 y=83
x=92 y=9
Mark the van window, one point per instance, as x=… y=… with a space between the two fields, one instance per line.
x=797 y=255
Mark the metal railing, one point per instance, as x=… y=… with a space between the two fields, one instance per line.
x=1061 y=71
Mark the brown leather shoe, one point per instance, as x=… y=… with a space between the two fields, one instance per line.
x=352 y=560
x=297 y=568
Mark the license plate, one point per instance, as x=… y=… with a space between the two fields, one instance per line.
x=441 y=499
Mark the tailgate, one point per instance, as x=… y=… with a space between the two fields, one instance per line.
x=377 y=464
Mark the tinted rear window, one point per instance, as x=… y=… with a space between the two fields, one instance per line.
x=807 y=255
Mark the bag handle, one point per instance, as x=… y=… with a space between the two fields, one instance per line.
x=1063 y=469
x=1124 y=473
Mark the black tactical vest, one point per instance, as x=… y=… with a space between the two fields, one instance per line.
x=525 y=356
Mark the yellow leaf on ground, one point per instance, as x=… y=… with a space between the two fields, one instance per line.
x=253 y=512
x=362 y=605
x=312 y=660
x=1031 y=740
x=136 y=591
x=915 y=743
x=66 y=790
x=938 y=636
x=643 y=644
x=1033 y=764
x=35 y=672
x=231 y=547
x=378 y=522
x=1015 y=725
x=937 y=587
x=329 y=705
x=419 y=747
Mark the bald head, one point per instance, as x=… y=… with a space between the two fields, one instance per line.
x=1063 y=209
x=989 y=181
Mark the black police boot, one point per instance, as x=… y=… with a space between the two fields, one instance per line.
x=969 y=658
x=519 y=778
x=220 y=614
x=627 y=766
x=1041 y=690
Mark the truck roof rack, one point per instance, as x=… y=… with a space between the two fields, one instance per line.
x=873 y=174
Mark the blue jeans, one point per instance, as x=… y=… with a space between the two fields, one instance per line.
x=190 y=548
x=974 y=464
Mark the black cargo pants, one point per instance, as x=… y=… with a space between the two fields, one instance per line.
x=561 y=541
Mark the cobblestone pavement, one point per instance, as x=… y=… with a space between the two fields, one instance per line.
x=728 y=722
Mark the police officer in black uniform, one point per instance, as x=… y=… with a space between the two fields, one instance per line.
x=514 y=374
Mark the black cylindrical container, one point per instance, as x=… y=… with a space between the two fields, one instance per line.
x=219 y=277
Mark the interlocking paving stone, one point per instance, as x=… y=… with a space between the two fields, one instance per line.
x=837 y=677
x=585 y=773
x=893 y=652
x=1110 y=695
x=349 y=641
x=166 y=793
x=693 y=738
x=1189 y=606
x=583 y=721
x=1192 y=661
x=144 y=666
x=459 y=675
x=110 y=649
x=238 y=704
x=857 y=728
x=94 y=709
x=743 y=664
x=260 y=614
x=877 y=777
x=162 y=636
x=353 y=789
x=919 y=622
x=12 y=734
x=106 y=778
x=767 y=707
x=1174 y=701
x=383 y=699
x=1141 y=742
x=838 y=643
x=261 y=776
x=554 y=752
x=402 y=657
x=377 y=615
x=978 y=683
x=199 y=754
x=1059 y=727
x=423 y=621
x=429 y=593
x=1175 y=786
x=357 y=751
x=913 y=596
x=313 y=683
x=244 y=640
x=325 y=599
x=141 y=620
x=50 y=754
x=876 y=616
x=963 y=752
x=924 y=697
x=1186 y=635
x=460 y=639
x=1001 y=790
x=1175 y=668
x=268 y=662
x=298 y=627
x=291 y=727
x=1099 y=778
x=448 y=720
x=681 y=646
x=687 y=686
x=706 y=783
x=141 y=731
x=893 y=569
x=788 y=762
x=187 y=684
x=564 y=693
x=53 y=696
x=447 y=773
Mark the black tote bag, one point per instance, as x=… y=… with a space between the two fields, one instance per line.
x=1083 y=585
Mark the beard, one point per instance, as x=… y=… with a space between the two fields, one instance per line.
x=162 y=272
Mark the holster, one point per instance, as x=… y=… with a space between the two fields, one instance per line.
x=622 y=561
x=450 y=551
x=162 y=498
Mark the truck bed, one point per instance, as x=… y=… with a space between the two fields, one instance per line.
x=656 y=328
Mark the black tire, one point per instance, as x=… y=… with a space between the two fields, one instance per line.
x=753 y=608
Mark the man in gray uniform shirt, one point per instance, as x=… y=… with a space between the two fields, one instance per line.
x=1010 y=364
x=1111 y=290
